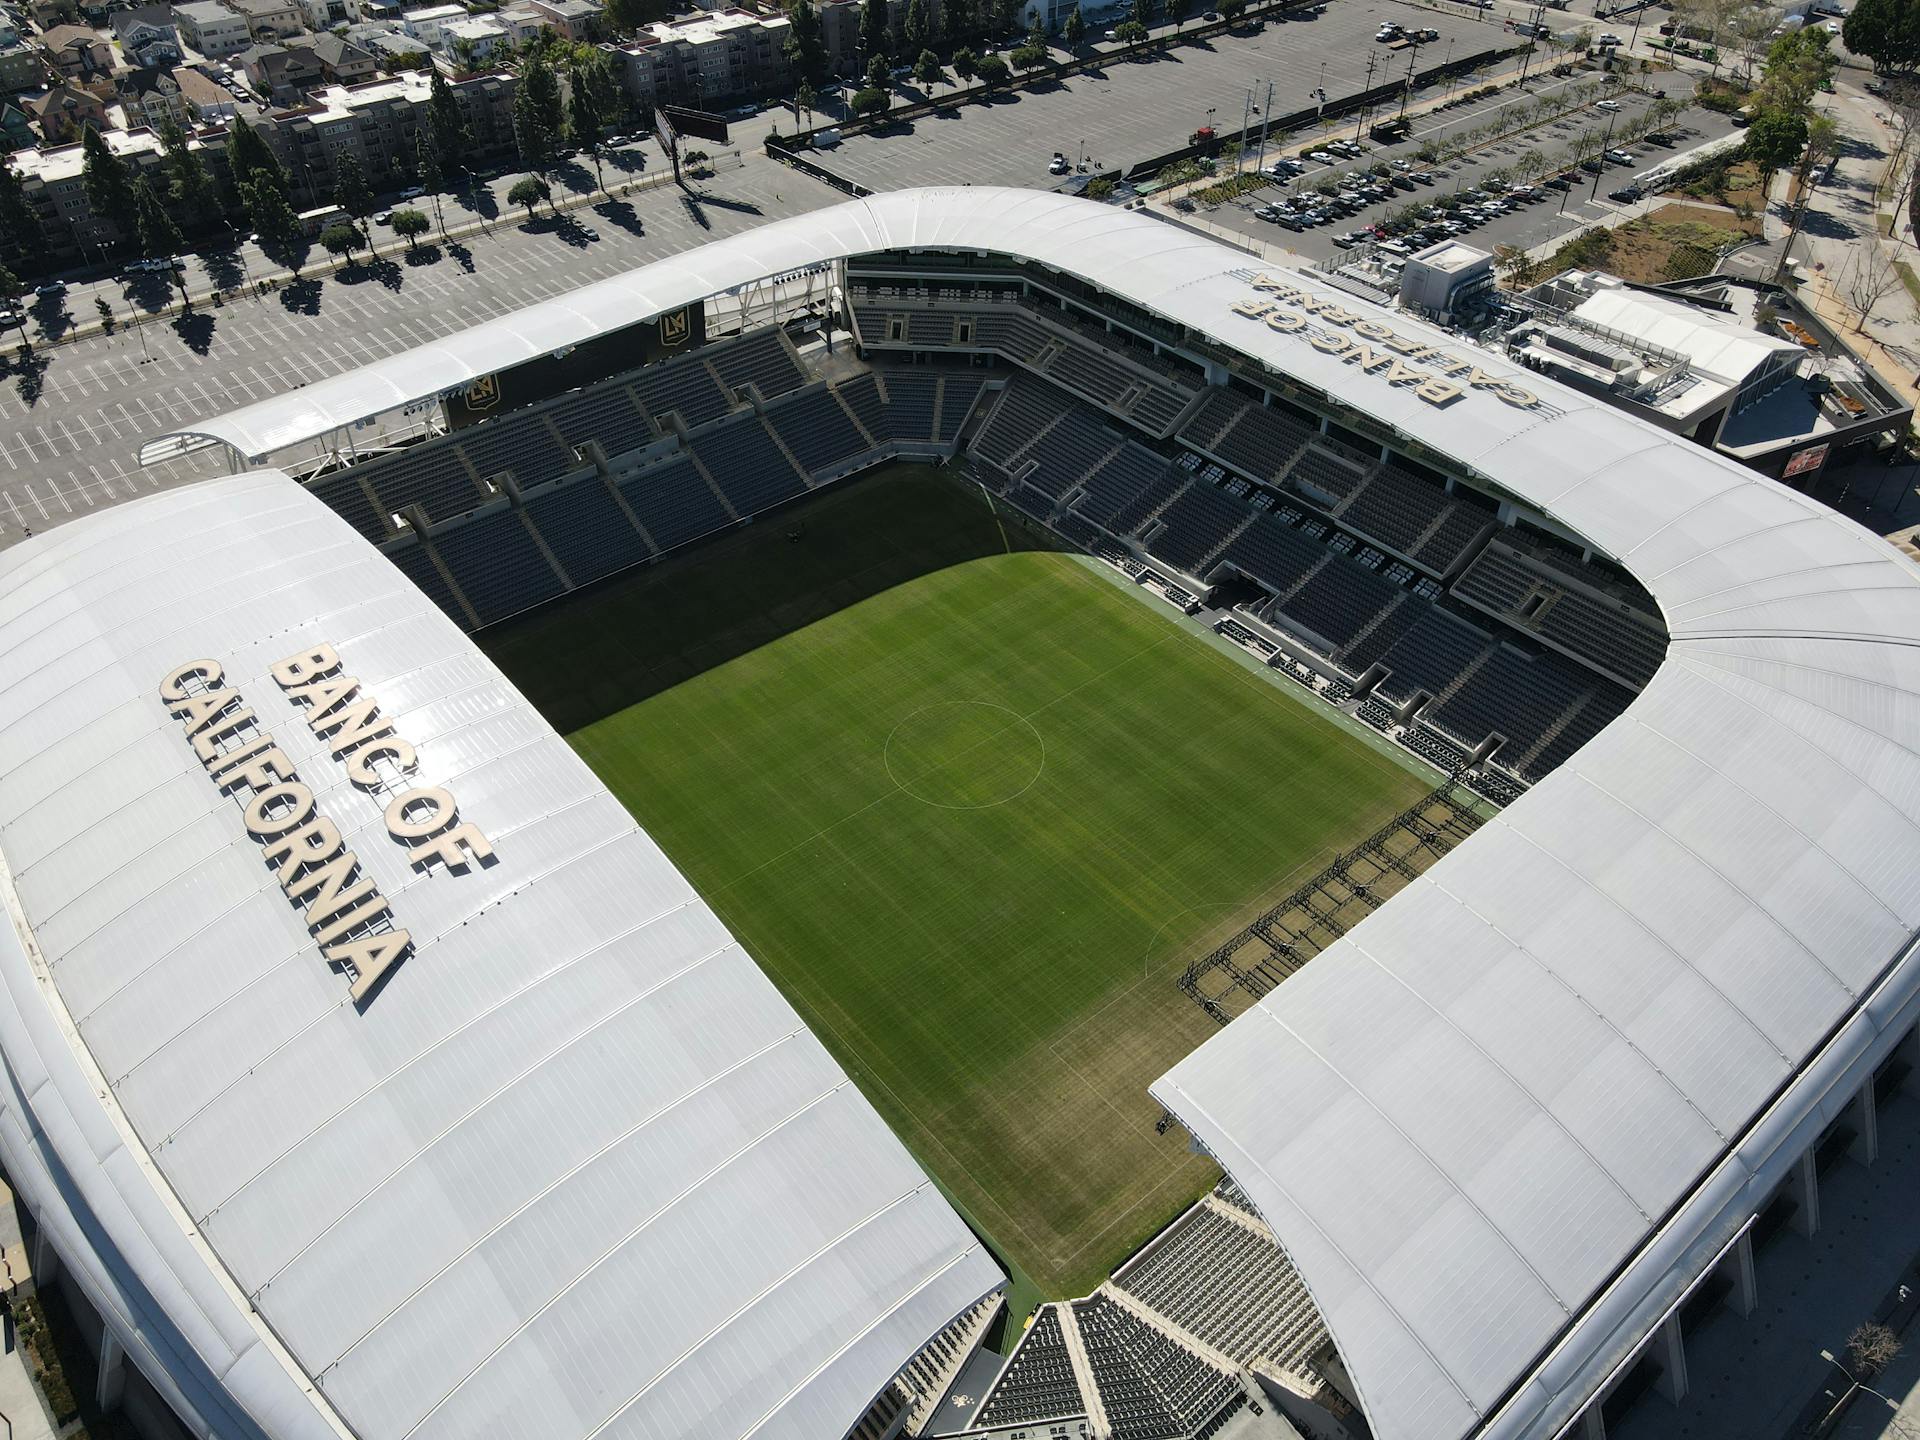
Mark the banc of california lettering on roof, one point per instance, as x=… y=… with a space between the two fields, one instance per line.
x=345 y=910
x=1443 y=380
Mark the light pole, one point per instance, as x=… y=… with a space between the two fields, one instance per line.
x=1605 y=141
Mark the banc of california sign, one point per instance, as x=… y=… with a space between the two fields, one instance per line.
x=1436 y=376
x=344 y=909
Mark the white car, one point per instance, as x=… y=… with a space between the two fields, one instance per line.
x=1058 y=165
x=1323 y=157
x=1606 y=104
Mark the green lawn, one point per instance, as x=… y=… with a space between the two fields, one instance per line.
x=973 y=807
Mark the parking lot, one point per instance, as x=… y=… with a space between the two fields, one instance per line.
x=1134 y=110
x=71 y=421
x=1553 y=212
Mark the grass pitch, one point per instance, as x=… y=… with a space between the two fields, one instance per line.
x=972 y=806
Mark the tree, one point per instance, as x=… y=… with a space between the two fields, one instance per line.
x=19 y=226
x=960 y=19
x=992 y=70
x=927 y=70
x=876 y=38
x=160 y=238
x=103 y=175
x=966 y=64
x=1774 y=139
x=532 y=136
x=1073 y=30
x=590 y=107
x=1870 y=1349
x=270 y=214
x=1037 y=31
x=539 y=91
x=11 y=290
x=410 y=225
x=529 y=191
x=447 y=124
x=1798 y=64
x=426 y=170
x=806 y=99
x=918 y=31
x=248 y=158
x=626 y=16
x=1232 y=10
x=806 y=46
x=342 y=240
x=1178 y=10
x=351 y=194
x=1130 y=32
x=1142 y=12
x=1870 y=280
x=190 y=188
x=1004 y=16
x=1887 y=32
x=869 y=101
x=1029 y=58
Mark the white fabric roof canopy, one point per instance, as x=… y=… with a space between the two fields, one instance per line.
x=578 y=1169
x=1497 y=1124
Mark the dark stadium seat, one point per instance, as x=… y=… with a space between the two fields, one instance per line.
x=674 y=503
x=1274 y=553
x=342 y=493
x=415 y=561
x=816 y=428
x=431 y=475
x=1121 y=481
x=587 y=530
x=606 y=415
x=497 y=565
x=684 y=386
x=1196 y=526
x=1150 y=1387
x=1038 y=1383
x=521 y=444
x=1338 y=601
x=760 y=359
x=746 y=464
x=908 y=413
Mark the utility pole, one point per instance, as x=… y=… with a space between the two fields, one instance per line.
x=1533 y=39
x=1605 y=143
x=1266 y=116
x=1246 y=124
x=1406 y=90
x=1367 y=108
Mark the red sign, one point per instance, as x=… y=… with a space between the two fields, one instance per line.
x=1812 y=458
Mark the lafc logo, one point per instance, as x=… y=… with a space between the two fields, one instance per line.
x=675 y=328
x=484 y=393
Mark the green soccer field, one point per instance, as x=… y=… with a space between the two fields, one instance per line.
x=973 y=806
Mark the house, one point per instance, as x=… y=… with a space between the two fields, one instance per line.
x=147 y=36
x=324 y=14
x=426 y=22
x=390 y=49
x=46 y=14
x=74 y=52
x=205 y=100
x=60 y=114
x=271 y=20
x=575 y=19
x=21 y=69
x=282 y=73
x=212 y=28
x=151 y=97
x=478 y=39
x=16 y=128
x=341 y=61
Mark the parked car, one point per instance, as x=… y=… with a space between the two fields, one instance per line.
x=51 y=288
x=1265 y=212
x=1323 y=157
x=1058 y=165
x=1606 y=104
x=1625 y=195
x=412 y=192
x=1620 y=157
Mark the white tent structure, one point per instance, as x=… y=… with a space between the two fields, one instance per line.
x=574 y=1169
x=1503 y=1126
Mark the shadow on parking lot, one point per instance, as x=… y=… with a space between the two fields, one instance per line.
x=51 y=315
x=427 y=253
x=301 y=296
x=621 y=214
x=195 y=329
x=461 y=254
x=29 y=374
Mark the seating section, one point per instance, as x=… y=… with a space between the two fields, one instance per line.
x=746 y=465
x=1396 y=508
x=415 y=561
x=683 y=386
x=817 y=429
x=958 y=395
x=674 y=503
x=1274 y=553
x=587 y=531
x=606 y=414
x=1025 y=410
x=523 y=446
x=1071 y=447
x=1038 y=1383
x=1261 y=442
x=913 y=400
x=341 y=493
x=1122 y=482
x=1433 y=653
x=1338 y=602
x=761 y=359
x=1319 y=474
x=431 y=475
x=1227 y=1282
x=1150 y=1387
x=1613 y=634
x=1196 y=526
x=498 y=566
x=1095 y=364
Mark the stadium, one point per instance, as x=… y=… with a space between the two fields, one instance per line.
x=969 y=772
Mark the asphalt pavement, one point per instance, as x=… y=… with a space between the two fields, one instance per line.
x=1562 y=213
x=1132 y=110
x=71 y=421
